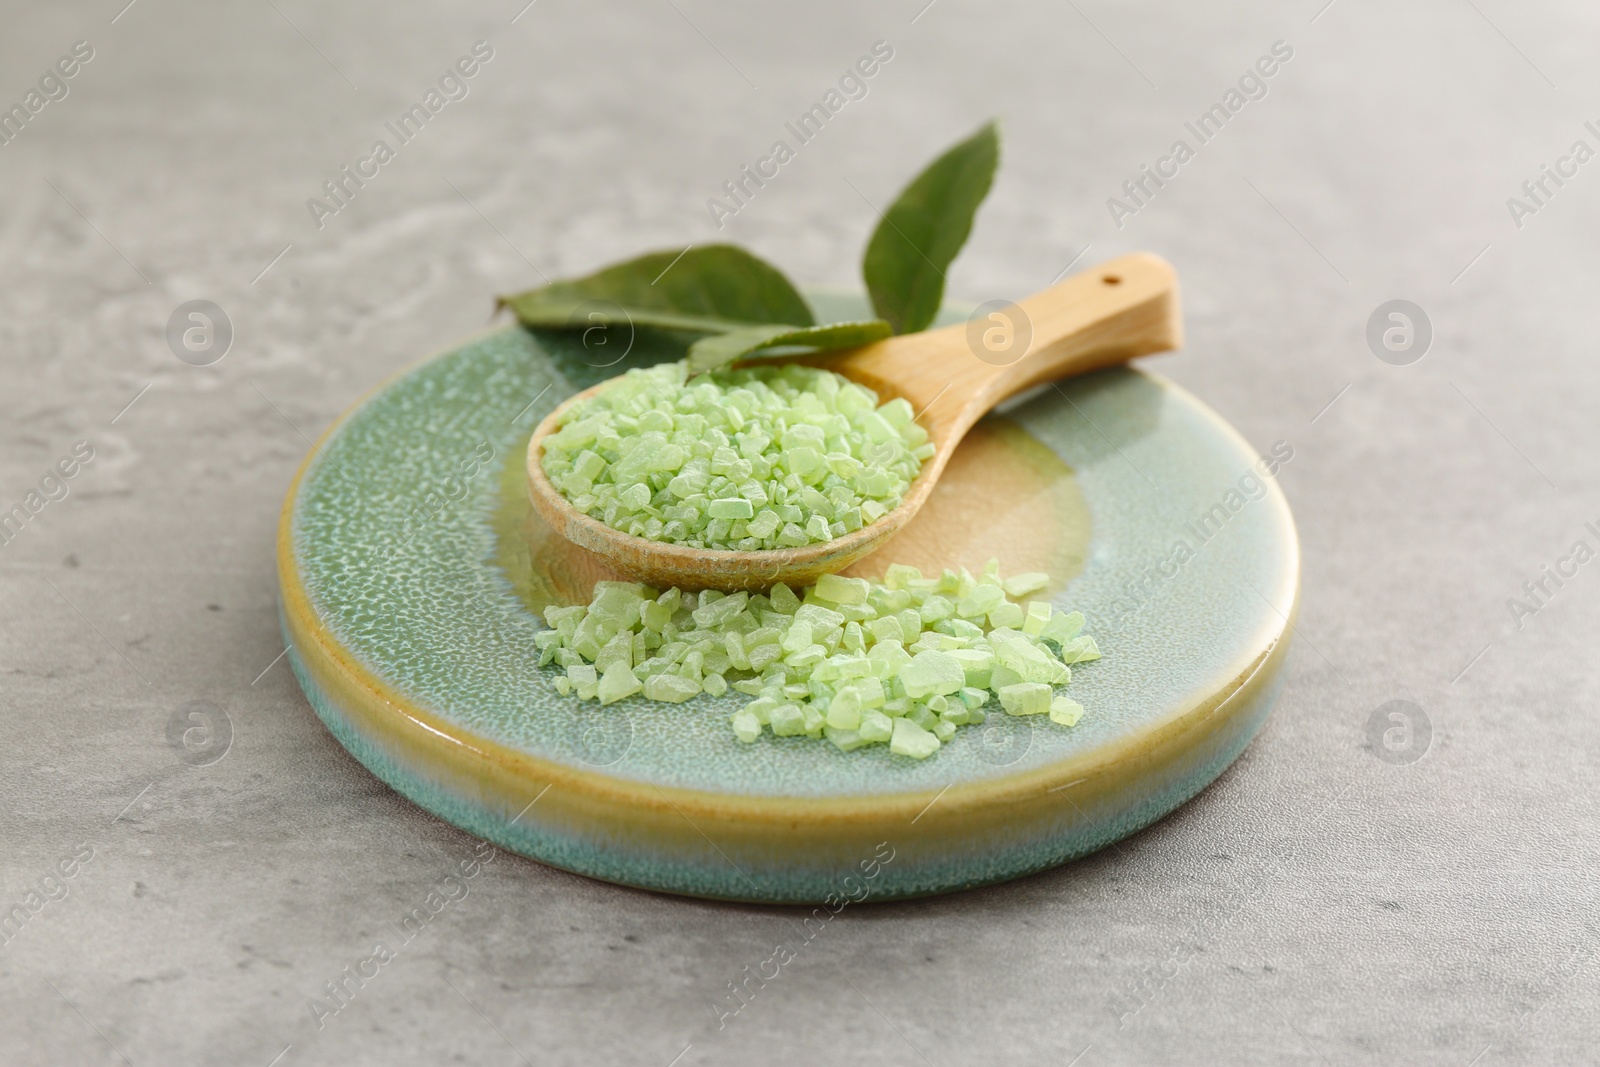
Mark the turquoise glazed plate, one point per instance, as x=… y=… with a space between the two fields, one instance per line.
x=412 y=569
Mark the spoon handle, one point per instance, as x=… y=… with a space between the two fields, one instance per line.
x=1123 y=308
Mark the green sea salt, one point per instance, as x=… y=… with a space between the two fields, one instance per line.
x=1025 y=698
x=907 y=661
x=762 y=458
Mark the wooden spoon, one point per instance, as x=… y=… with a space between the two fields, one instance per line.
x=1123 y=308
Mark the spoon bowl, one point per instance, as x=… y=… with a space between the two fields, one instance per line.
x=952 y=377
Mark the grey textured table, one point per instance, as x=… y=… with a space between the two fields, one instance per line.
x=1332 y=899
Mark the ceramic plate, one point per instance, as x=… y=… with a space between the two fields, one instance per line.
x=412 y=570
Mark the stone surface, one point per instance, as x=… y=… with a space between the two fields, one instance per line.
x=1324 y=902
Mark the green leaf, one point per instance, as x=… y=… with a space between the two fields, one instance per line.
x=923 y=230
x=709 y=353
x=714 y=289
